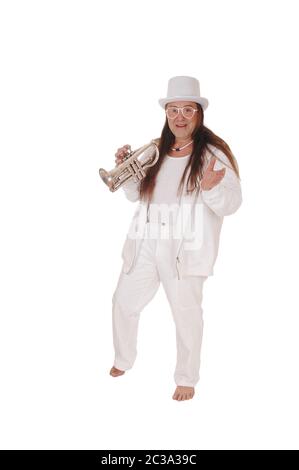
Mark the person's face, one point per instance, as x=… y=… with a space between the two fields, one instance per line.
x=181 y=126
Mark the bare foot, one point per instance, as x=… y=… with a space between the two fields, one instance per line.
x=116 y=372
x=183 y=393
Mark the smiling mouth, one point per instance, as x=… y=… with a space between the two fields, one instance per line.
x=184 y=125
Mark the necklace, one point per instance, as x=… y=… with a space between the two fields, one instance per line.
x=181 y=148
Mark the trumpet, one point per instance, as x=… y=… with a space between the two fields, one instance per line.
x=133 y=166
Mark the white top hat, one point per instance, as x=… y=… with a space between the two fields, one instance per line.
x=183 y=89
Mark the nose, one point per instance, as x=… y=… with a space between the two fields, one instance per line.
x=180 y=116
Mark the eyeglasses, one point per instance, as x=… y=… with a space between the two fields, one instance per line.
x=173 y=111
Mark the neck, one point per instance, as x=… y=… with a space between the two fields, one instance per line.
x=180 y=142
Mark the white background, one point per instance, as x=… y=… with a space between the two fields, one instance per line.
x=78 y=80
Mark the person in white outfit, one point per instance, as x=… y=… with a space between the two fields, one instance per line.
x=174 y=235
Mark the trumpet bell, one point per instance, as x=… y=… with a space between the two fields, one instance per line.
x=105 y=177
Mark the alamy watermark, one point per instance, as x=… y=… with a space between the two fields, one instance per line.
x=170 y=221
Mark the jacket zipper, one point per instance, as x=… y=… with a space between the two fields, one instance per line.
x=177 y=261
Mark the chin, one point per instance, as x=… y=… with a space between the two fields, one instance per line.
x=176 y=130
x=181 y=134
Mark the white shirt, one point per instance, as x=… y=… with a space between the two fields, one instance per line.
x=165 y=201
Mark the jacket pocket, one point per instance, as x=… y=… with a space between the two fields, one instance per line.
x=196 y=262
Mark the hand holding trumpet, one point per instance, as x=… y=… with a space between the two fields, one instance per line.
x=121 y=153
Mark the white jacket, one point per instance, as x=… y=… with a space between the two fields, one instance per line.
x=223 y=199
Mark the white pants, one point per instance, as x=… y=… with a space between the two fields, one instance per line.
x=136 y=289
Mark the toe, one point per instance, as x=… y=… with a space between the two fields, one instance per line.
x=116 y=372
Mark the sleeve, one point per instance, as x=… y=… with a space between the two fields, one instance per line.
x=131 y=190
x=226 y=197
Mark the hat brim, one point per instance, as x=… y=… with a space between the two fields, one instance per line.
x=202 y=101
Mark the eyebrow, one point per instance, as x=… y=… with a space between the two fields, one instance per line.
x=175 y=106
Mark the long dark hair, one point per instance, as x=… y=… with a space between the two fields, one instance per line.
x=202 y=136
